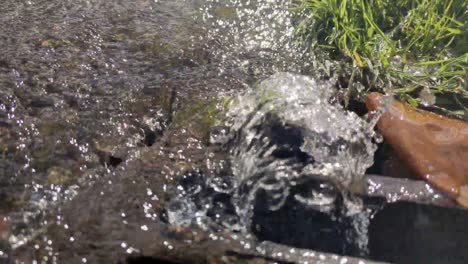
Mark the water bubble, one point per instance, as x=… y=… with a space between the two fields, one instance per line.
x=427 y=97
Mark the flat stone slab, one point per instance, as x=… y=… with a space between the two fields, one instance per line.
x=397 y=189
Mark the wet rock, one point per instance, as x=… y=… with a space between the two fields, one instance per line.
x=7 y=139
x=434 y=147
x=50 y=128
x=109 y=152
x=126 y=215
x=397 y=189
x=324 y=217
x=406 y=232
x=200 y=117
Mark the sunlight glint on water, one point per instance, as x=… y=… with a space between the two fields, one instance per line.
x=285 y=133
x=249 y=40
x=254 y=37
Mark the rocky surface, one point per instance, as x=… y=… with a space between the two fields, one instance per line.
x=86 y=87
x=433 y=146
x=109 y=102
x=105 y=108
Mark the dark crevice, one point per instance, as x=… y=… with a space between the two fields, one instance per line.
x=113 y=161
x=150 y=137
x=247 y=257
x=387 y=163
x=357 y=107
x=172 y=100
x=148 y=260
x=381 y=154
x=287 y=138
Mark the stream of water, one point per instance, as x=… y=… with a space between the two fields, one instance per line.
x=108 y=128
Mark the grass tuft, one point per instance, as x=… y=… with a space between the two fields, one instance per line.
x=408 y=46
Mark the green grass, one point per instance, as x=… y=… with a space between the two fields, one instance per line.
x=403 y=45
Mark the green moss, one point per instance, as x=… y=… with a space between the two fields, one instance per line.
x=268 y=96
x=225 y=12
x=58 y=176
x=50 y=128
x=201 y=116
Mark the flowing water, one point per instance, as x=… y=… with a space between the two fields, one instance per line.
x=284 y=135
x=110 y=129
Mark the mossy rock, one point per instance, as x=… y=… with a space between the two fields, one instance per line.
x=201 y=116
x=226 y=12
x=51 y=128
x=59 y=176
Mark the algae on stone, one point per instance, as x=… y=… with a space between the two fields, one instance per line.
x=201 y=116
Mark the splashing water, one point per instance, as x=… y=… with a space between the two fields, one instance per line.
x=286 y=140
x=254 y=37
x=337 y=141
x=285 y=134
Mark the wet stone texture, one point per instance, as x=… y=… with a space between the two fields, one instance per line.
x=107 y=111
x=104 y=106
x=87 y=87
x=120 y=213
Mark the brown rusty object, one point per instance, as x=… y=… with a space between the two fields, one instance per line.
x=433 y=146
x=4 y=228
